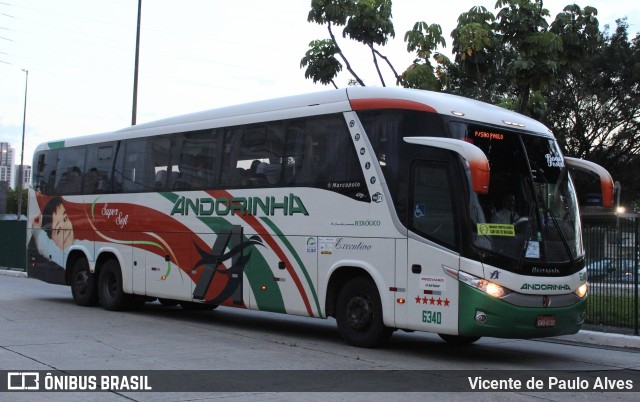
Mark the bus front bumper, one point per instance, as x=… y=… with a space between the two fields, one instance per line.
x=484 y=315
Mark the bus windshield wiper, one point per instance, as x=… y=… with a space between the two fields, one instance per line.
x=565 y=243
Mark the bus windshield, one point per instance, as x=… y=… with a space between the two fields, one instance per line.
x=530 y=213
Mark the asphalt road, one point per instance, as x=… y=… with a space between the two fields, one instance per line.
x=42 y=329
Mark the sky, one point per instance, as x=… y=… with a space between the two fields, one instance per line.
x=194 y=55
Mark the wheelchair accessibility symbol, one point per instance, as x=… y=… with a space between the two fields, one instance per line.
x=419 y=211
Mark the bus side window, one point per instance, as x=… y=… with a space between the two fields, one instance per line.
x=329 y=159
x=230 y=175
x=133 y=177
x=294 y=153
x=44 y=177
x=432 y=214
x=252 y=156
x=69 y=171
x=198 y=160
x=261 y=154
x=97 y=178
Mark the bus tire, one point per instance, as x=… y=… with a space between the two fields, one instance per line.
x=458 y=340
x=112 y=297
x=84 y=284
x=359 y=314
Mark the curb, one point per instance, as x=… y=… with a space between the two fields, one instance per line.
x=13 y=272
x=604 y=339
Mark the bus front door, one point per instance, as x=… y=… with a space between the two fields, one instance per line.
x=432 y=295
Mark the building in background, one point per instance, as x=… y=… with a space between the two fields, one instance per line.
x=9 y=170
x=7 y=158
x=26 y=176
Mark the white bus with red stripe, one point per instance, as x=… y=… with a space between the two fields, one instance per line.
x=384 y=208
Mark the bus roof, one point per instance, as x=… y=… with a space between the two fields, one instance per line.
x=317 y=103
x=452 y=105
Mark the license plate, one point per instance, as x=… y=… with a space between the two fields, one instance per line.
x=545 y=321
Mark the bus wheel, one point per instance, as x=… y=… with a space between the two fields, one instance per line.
x=112 y=297
x=359 y=314
x=84 y=287
x=193 y=306
x=459 y=340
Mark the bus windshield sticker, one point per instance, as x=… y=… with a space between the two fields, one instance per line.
x=533 y=250
x=495 y=229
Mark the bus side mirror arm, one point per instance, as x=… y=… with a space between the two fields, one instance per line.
x=606 y=182
x=477 y=160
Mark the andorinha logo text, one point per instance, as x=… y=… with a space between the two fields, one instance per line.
x=269 y=206
x=544 y=286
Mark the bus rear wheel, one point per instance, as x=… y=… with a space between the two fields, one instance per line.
x=459 y=340
x=359 y=314
x=112 y=296
x=84 y=287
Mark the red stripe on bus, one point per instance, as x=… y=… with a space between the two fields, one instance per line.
x=382 y=103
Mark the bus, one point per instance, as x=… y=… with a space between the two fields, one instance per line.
x=383 y=208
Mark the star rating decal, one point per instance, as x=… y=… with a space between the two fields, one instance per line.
x=433 y=301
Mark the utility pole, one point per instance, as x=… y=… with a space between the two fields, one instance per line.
x=134 y=110
x=24 y=125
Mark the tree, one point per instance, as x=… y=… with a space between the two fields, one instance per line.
x=365 y=21
x=594 y=106
x=12 y=201
x=478 y=71
x=330 y=12
x=424 y=39
x=370 y=24
x=580 y=33
x=322 y=65
x=524 y=30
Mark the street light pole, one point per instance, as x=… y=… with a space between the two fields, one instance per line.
x=24 y=125
x=134 y=110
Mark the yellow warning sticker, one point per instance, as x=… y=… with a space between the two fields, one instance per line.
x=496 y=229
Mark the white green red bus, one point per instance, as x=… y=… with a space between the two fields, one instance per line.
x=383 y=208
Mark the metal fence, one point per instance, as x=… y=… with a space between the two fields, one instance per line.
x=611 y=244
x=13 y=248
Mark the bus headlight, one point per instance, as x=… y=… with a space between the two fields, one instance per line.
x=494 y=290
x=490 y=288
x=582 y=290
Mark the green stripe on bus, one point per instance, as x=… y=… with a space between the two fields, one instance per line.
x=257 y=271
x=293 y=252
x=170 y=196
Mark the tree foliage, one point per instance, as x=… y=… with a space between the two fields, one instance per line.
x=12 y=201
x=365 y=21
x=594 y=107
x=524 y=30
x=479 y=59
x=424 y=39
x=321 y=62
